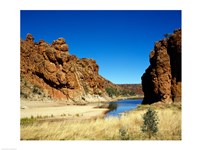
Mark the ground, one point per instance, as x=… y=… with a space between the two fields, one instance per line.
x=60 y=110
x=126 y=127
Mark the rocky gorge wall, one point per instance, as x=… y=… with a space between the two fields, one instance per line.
x=50 y=72
x=161 y=81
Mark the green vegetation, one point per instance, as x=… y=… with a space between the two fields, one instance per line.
x=30 y=121
x=115 y=92
x=27 y=121
x=150 y=122
x=112 y=92
x=27 y=90
x=37 y=90
x=126 y=93
x=112 y=106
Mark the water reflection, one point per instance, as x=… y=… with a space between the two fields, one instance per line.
x=121 y=106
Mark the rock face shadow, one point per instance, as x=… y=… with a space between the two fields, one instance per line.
x=162 y=79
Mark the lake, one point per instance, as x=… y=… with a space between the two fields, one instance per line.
x=118 y=107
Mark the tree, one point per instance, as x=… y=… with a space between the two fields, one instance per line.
x=150 y=119
x=111 y=92
x=112 y=106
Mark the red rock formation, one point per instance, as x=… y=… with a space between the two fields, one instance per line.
x=162 y=79
x=50 y=72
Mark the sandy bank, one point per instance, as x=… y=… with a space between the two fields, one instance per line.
x=60 y=110
x=126 y=97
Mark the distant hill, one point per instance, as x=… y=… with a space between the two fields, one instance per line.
x=135 y=88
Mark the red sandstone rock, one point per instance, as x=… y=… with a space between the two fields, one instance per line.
x=29 y=38
x=162 y=79
x=51 y=72
x=60 y=44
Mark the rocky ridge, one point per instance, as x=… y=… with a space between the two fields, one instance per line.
x=161 y=81
x=49 y=72
x=135 y=88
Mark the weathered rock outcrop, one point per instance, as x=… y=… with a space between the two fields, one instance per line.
x=50 y=72
x=162 y=79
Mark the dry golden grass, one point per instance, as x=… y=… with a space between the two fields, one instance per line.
x=169 y=127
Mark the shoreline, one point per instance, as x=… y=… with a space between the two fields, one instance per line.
x=123 y=97
x=59 y=110
x=104 y=129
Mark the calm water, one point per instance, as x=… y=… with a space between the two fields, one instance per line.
x=122 y=106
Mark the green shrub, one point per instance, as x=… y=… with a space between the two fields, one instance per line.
x=37 y=90
x=112 y=106
x=126 y=93
x=112 y=92
x=150 y=119
x=27 y=121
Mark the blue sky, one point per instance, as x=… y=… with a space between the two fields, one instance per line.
x=119 y=41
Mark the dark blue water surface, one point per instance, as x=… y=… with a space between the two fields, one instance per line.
x=123 y=106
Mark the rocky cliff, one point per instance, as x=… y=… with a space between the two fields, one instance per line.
x=162 y=79
x=49 y=72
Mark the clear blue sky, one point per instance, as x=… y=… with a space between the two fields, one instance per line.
x=119 y=41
